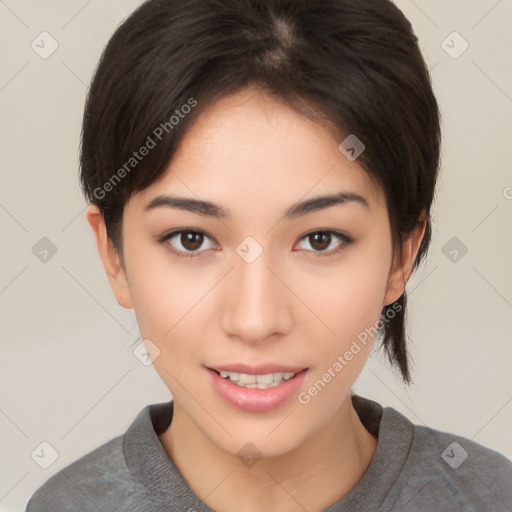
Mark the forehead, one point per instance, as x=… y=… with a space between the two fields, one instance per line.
x=252 y=142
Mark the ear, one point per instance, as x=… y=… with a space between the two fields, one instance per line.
x=403 y=263
x=110 y=257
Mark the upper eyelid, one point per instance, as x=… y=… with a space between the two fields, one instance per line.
x=175 y=232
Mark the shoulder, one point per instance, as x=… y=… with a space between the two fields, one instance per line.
x=421 y=469
x=444 y=468
x=118 y=475
x=100 y=480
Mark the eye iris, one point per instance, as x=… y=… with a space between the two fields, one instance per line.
x=323 y=238
x=191 y=241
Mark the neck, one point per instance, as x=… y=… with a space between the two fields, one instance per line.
x=313 y=476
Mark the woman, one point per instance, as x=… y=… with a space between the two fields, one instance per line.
x=261 y=175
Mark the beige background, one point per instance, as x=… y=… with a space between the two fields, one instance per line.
x=68 y=374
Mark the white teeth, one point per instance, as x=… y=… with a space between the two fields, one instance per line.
x=245 y=378
x=265 y=381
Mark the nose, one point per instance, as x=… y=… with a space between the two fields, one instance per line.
x=257 y=306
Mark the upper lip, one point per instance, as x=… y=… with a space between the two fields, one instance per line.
x=260 y=369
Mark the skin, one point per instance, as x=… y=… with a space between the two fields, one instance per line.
x=256 y=157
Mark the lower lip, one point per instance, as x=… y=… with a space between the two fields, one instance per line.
x=256 y=400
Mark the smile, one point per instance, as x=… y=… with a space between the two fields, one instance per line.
x=262 y=390
x=264 y=381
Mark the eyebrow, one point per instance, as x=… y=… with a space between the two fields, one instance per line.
x=301 y=208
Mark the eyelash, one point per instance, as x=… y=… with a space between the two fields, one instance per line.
x=346 y=241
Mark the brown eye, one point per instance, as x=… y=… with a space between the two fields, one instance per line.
x=320 y=241
x=187 y=242
x=191 y=240
x=324 y=242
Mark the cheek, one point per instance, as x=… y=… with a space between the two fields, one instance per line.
x=166 y=305
x=349 y=301
x=173 y=302
x=160 y=294
x=354 y=292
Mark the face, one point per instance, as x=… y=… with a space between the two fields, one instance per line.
x=258 y=284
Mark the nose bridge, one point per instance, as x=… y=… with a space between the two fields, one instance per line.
x=255 y=306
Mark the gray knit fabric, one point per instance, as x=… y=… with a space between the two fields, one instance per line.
x=414 y=468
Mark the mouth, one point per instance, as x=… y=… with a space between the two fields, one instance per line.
x=261 y=381
x=257 y=389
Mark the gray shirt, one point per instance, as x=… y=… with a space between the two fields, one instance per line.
x=414 y=468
